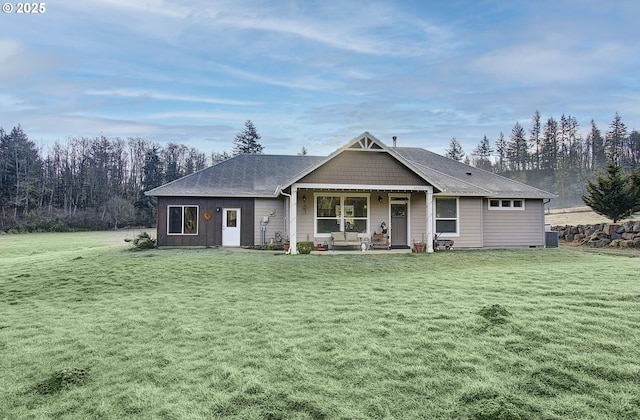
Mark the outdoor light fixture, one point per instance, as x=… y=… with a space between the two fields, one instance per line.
x=379 y=199
x=304 y=198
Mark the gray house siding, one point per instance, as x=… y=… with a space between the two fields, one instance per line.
x=470 y=227
x=274 y=209
x=209 y=231
x=367 y=168
x=514 y=228
x=418 y=218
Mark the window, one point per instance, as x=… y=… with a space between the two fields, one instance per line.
x=504 y=204
x=446 y=216
x=342 y=212
x=182 y=220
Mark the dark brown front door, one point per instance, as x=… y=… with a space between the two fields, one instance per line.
x=399 y=225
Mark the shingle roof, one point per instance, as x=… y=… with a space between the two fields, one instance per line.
x=456 y=178
x=240 y=176
x=263 y=175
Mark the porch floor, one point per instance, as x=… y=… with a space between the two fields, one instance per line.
x=357 y=251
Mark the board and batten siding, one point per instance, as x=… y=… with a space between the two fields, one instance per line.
x=209 y=231
x=514 y=228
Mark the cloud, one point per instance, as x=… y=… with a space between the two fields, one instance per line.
x=534 y=63
x=154 y=95
x=146 y=7
x=19 y=63
x=11 y=103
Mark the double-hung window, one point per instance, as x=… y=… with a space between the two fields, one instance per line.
x=447 y=216
x=182 y=220
x=341 y=212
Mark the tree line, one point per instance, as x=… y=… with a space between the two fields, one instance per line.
x=553 y=154
x=94 y=183
x=99 y=183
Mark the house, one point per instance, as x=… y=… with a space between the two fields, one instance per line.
x=253 y=199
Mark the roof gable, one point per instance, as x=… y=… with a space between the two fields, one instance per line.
x=364 y=143
x=359 y=167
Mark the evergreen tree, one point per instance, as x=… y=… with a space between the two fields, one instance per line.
x=615 y=140
x=501 y=153
x=598 y=155
x=303 y=151
x=563 y=140
x=549 y=158
x=613 y=195
x=635 y=185
x=20 y=172
x=455 y=151
x=482 y=154
x=517 y=150
x=535 y=141
x=246 y=141
x=152 y=177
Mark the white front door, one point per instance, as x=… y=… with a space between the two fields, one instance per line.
x=230 y=227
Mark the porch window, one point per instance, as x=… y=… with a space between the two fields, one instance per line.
x=342 y=212
x=446 y=215
x=182 y=220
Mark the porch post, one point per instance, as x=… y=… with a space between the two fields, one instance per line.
x=429 y=196
x=293 y=216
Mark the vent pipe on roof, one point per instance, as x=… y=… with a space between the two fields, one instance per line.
x=394 y=140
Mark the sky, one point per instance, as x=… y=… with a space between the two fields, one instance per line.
x=315 y=74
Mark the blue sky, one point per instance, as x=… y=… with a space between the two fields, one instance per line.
x=315 y=73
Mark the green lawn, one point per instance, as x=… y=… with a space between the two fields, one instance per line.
x=91 y=330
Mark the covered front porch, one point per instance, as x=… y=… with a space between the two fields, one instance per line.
x=383 y=216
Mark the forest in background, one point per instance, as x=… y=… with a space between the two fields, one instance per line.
x=98 y=183
x=554 y=156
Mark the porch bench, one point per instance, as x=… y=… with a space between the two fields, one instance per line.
x=345 y=239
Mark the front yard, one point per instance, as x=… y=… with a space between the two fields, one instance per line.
x=91 y=330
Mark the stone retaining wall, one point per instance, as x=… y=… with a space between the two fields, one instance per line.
x=625 y=235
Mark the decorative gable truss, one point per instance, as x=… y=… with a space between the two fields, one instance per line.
x=366 y=143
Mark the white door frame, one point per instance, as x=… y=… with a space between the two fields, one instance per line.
x=231 y=234
x=401 y=199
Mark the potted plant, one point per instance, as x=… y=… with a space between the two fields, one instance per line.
x=419 y=246
x=286 y=244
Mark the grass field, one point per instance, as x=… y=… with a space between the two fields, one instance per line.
x=91 y=330
x=579 y=216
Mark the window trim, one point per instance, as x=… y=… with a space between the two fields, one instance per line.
x=457 y=219
x=343 y=196
x=510 y=206
x=183 y=206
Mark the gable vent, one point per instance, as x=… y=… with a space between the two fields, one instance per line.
x=366 y=143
